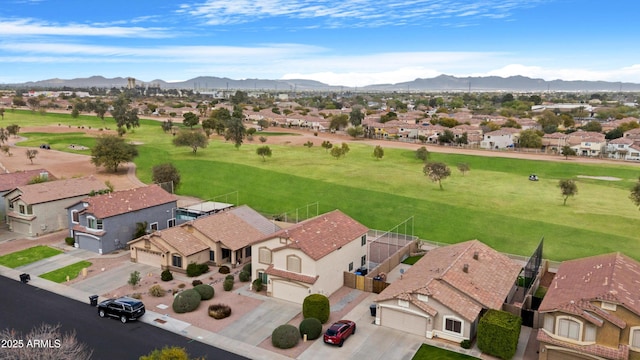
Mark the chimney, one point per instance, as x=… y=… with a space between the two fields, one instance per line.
x=475 y=255
x=465 y=268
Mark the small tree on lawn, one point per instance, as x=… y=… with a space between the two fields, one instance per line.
x=264 y=151
x=437 y=171
x=309 y=144
x=568 y=188
x=31 y=154
x=165 y=173
x=327 y=145
x=378 y=152
x=192 y=139
x=635 y=193
x=190 y=119
x=422 y=153
x=110 y=151
x=463 y=167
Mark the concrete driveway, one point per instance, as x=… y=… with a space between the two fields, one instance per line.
x=112 y=279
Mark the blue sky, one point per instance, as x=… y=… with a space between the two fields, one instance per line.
x=339 y=42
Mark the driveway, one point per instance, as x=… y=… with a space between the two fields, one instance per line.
x=112 y=279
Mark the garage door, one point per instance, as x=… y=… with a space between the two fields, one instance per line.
x=88 y=243
x=20 y=227
x=403 y=321
x=554 y=354
x=289 y=291
x=148 y=258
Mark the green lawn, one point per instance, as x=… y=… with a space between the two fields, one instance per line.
x=494 y=202
x=72 y=271
x=412 y=259
x=28 y=256
x=428 y=352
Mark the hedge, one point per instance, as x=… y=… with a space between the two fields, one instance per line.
x=186 y=301
x=206 y=291
x=316 y=306
x=498 y=333
x=285 y=336
x=312 y=327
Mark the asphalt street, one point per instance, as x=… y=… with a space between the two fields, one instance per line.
x=23 y=306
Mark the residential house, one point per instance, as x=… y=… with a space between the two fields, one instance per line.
x=633 y=134
x=310 y=256
x=446 y=292
x=10 y=181
x=592 y=310
x=37 y=209
x=624 y=148
x=587 y=143
x=222 y=238
x=105 y=223
x=554 y=142
x=500 y=139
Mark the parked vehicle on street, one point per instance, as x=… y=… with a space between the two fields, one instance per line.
x=124 y=308
x=339 y=331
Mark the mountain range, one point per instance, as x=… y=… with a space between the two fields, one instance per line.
x=439 y=84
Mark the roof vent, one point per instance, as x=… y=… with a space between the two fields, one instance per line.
x=465 y=268
x=475 y=255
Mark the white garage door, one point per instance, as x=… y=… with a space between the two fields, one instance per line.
x=20 y=227
x=148 y=258
x=553 y=354
x=403 y=321
x=289 y=291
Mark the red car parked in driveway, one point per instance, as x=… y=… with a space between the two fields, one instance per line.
x=339 y=331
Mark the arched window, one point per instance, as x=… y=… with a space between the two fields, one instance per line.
x=569 y=328
x=264 y=256
x=294 y=264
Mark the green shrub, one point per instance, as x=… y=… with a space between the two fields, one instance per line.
x=244 y=276
x=186 y=301
x=257 y=285
x=227 y=285
x=224 y=269
x=285 y=336
x=316 y=306
x=465 y=344
x=312 y=327
x=70 y=241
x=196 y=282
x=498 y=333
x=194 y=269
x=219 y=311
x=229 y=277
x=156 y=291
x=247 y=267
x=206 y=291
x=166 y=275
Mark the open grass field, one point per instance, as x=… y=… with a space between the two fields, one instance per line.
x=28 y=256
x=72 y=271
x=494 y=202
x=428 y=352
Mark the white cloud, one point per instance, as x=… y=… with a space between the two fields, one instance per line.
x=30 y=27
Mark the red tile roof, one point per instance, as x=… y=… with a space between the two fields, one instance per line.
x=59 y=189
x=177 y=237
x=619 y=353
x=291 y=275
x=122 y=202
x=319 y=236
x=441 y=274
x=613 y=278
x=12 y=180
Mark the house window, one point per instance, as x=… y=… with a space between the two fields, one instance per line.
x=75 y=216
x=568 y=328
x=11 y=205
x=93 y=223
x=212 y=255
x=351 y=266
x=423 y=298
x=154 y=226
x=263 y=277
x=590 y=333
x=171 y=223
x=176 y=260
x=363 y=240
x=634 y=337
x=549 y=320
x=403 y=303
x=226 y=254
x=293 y=264
x=453 y=325
x=264 y=256
x=247 y=251
x=608 y=306
x=22 y=209
x=363 y=260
